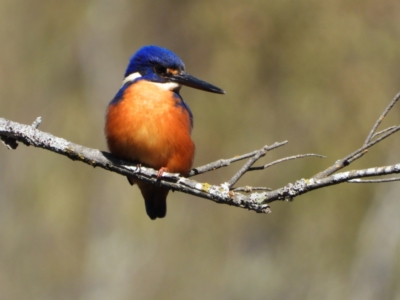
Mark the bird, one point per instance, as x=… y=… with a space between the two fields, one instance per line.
x=149 y=123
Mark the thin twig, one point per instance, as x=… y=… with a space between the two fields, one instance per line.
x=374 y=180
x=226 y=162
x=383 y=131
x=380 y=119
x=283 y=160
x=357 y=156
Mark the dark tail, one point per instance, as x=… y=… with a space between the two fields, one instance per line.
x=155 y=199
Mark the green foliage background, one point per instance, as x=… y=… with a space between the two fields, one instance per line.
x=317 y=73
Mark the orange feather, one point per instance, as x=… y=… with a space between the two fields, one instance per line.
x=149 y=125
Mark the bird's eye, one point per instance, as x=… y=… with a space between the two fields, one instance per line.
x=160 y=70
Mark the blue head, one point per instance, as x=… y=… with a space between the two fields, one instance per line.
x=152 y=61
x=160 y=65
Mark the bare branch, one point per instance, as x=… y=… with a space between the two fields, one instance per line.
x=344 y=162
x=217 y=193
x=256 y=198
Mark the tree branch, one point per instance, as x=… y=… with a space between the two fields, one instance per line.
x=252 y=198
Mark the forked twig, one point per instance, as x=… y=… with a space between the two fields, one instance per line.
x=383 y=131
x=369 y=142
x=247 y=166
x=380 y=119
x=226 y=162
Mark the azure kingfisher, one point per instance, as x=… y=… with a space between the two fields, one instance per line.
x=148 y=122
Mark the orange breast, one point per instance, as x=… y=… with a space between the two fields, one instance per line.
x=148 y=125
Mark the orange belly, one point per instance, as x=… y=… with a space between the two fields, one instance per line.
x=149 y=126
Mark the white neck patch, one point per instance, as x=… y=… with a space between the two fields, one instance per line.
x=167 y=86
x=131 y=77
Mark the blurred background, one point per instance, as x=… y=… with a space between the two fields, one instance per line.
x=316 y=73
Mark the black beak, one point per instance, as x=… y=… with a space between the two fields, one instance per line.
x=193 y=82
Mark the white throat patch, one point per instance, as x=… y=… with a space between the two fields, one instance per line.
x=167 y=86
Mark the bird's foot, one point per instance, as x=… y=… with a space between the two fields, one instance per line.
x=160 y=172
